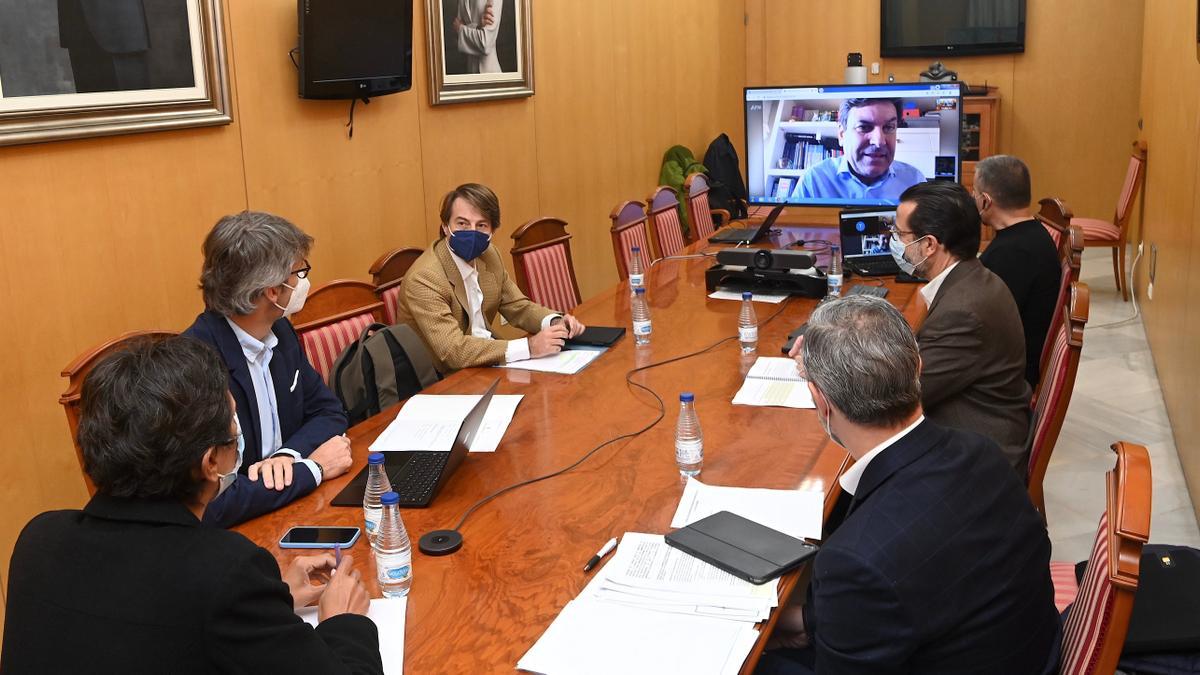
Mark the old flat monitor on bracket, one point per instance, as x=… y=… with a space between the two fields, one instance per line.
x=798 y=151
x=354 y=49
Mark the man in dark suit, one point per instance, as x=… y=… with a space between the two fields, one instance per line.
x=107 y=41
x=972 y=342
x=941 y=563
x=254 y=277
x=134 y=583
x=1022 y=253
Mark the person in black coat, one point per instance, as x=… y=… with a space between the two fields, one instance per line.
x=1022 y=254
x=135 y=583
x=254 y=276
x=941 y=564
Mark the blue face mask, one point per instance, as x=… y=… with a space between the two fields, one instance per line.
x=897 y=249
x=469 y=244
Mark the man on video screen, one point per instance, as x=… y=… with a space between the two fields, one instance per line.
x=868 y=170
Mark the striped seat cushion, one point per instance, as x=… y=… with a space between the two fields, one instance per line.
x=1097 y=230
x=634 y=235
x=551 y=283
x=702 y=216
x=1062 y=574
x=669 y=232
x=391 y=304
x=1087 y=622
x=323 y=345
x=1056 y=319
x=1054 y=382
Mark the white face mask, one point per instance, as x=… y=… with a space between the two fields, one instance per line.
x=299 y=294
x=225 y=480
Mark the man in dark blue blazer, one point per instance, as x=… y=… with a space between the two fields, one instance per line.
x=941 y=564
x=254 y=277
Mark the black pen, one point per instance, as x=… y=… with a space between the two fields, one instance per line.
x=604 y=550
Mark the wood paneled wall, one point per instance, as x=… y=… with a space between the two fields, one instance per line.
x=1170 y=101
x=1068 y=104
x=102 y=236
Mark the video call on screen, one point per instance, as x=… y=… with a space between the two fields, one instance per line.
x=797 y=152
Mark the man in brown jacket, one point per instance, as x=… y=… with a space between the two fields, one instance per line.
x=452 y=293
x=972 y=343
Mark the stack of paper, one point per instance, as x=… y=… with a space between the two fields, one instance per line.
x=388 y=615
x=794 y=512
x=654 y=609
x=774 y=381
x=431 y=422
x=566 y=362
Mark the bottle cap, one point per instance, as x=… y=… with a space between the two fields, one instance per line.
x=687 y=397
x=746 y=295
x=639 y=291
x=375 y=458
x=389 y=498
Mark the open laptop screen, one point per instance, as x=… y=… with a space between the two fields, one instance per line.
x=866 y=233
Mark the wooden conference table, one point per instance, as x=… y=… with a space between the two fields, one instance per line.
x=479 y=609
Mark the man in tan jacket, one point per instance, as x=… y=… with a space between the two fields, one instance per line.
x=452 y=293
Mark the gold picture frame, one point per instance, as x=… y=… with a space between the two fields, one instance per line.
x=479 y=50
x=183 y=84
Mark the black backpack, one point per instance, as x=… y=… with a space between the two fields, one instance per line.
x=726 y=189
x=386 y=365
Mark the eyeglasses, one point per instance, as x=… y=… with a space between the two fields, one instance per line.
x=896 y=232
x=302 y=273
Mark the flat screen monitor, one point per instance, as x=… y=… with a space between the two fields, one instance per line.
x=354 y=48
x=951 y=27
x=849 y=145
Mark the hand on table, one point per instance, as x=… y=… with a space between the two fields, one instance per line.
x=302 y=572
x=333 y=456
x=549 y=341
x=345 y=593
x=574 y=326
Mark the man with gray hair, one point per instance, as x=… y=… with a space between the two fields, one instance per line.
x=255 y=275
x=1022 y=254
x=941 y=563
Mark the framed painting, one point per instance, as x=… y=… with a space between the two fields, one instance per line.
x=79 y=68
x=479 y=49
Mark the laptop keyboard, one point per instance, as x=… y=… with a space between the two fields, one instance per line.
x=419 y=476
x=876 y=266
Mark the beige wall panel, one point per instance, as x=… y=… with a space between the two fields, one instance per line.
x=1170 y=106
x=360 y=196
x=99 y=237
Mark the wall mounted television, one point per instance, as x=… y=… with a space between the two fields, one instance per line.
x=354 y=49
x=800 y=151
x=951 y=27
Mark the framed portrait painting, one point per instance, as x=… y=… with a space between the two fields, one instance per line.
x=79 y=68
x=479 y=49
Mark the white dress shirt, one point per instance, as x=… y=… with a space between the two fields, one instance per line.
x=853 y=475
x=515 y=350
x=258 y=355
x=929 y=290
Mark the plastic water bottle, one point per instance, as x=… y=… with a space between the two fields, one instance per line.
x=377 y=484
x=637 y=275
x=689 y=442
x=641 y=317
x=748 y=325
x=393 y=551
x=834 y=274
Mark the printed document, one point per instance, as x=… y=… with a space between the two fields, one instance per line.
x=388 y=615
x=793 y=512
x=431 y=422
x=774 y=381
x=566 y=362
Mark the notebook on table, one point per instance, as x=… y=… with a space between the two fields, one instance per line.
x=741 y=547
x=597 y=336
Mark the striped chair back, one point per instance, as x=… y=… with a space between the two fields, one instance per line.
x=387 y=273
x=629 y=231
x=1098 y=620
x=1070 y=256
x=542 y=261
x=77 y=370
x=1055 y=216
x=1055 y=388
x=699 y=214
x=334 y=315
x=663 y=212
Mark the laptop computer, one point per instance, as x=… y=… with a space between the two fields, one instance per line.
x=418 y=476
x=865 y=239
x=746 y=235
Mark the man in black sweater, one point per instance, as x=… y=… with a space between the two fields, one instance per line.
x=1022 y=253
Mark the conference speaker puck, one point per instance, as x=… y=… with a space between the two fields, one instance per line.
x=440 y=542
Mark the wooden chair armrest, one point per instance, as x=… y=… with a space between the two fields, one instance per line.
x=723 y=217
